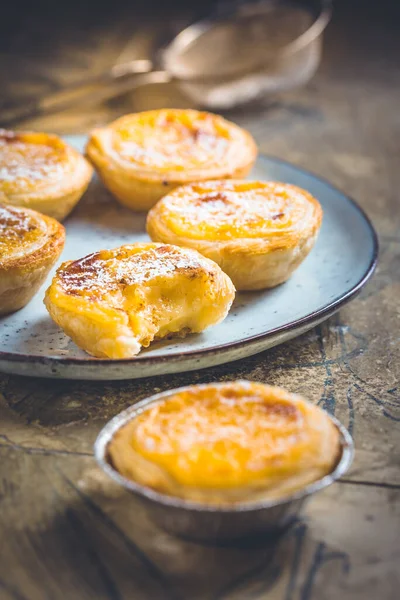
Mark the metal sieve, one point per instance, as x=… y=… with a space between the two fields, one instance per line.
x=253 y=50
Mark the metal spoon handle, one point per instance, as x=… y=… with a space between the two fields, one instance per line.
x=117 y=80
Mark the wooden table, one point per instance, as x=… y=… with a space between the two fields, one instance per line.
x=65 y=531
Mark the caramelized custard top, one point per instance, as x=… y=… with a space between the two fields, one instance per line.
x=27 y=159
x=100 y=273
x=20 y=232
x=178 y=140
x=229 y=435
x=228 y=210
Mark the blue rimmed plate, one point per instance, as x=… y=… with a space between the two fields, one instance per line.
x=341 y=262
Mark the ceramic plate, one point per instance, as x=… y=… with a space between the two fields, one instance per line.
x=339 y=265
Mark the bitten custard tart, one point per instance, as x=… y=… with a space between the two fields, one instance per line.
x=40 y=171
x=30 y=244
x=113 y=302
x=258 y=232
x=141 y=157
x=227 y=443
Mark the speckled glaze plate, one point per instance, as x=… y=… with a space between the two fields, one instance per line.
x=339 y=265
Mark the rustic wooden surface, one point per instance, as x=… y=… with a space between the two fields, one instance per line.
x=65 y=531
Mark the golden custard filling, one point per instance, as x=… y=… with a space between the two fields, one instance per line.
x=21 y=232
x=227 y=442
x=228 y=210
x=113 y=276
x=177 y=140
x=27 y=159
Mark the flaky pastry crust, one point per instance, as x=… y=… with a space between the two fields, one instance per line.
x=225 y=443
x=258 y=232
x=42 y=172
x=30 y=244
x=143 y=156
x=113 y=302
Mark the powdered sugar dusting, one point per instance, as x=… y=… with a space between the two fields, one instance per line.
x=111 y=270
x=176 y=140
x=24 y=163
x=19 y=231
x=229 y=209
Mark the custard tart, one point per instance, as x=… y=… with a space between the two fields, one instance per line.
x=42 y=172
x=30 y=244
x=258 y=232
x=226 y=443
x=143 y=156
x=114 y=302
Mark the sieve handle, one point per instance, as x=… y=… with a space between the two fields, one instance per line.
x=119 y=79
